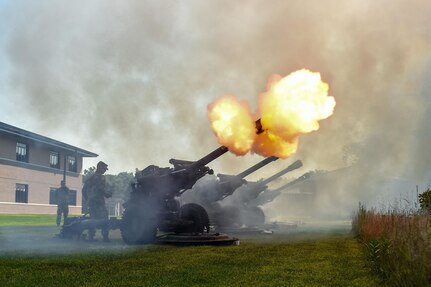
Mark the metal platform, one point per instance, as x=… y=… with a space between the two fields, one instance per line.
x=281 y=225
x=192 y=239
x=244 y=230
x=265 y=229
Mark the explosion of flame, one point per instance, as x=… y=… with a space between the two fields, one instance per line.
x=233 y=124
x=291 y=106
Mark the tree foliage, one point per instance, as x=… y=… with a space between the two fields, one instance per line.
x=425 y=200
x=118 y=185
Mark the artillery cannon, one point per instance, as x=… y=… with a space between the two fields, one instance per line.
x=229 y=183
x=236 y=210
x=269 y=195
x=210 y=190
x=153 y=203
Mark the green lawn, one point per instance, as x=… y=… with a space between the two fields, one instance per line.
x=306 y=256
x=27 y=219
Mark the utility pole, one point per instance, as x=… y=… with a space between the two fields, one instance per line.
x=64 y=171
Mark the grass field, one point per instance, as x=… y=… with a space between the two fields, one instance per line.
x=306 y=256
x=27 y=219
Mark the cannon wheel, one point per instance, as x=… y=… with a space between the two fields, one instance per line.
x=228 y=216
x=253 y=216
x=196 y=213
x=137 y=227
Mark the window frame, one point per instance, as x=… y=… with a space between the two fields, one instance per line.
x=21 y=151
x=72 y=167
x=72 y=197
x=21 y=193
x=52 y=155
x=53 y=196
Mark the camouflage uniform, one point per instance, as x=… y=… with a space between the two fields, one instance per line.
x=94 y=193
x=62 y=203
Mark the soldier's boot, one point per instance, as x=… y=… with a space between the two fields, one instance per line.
x=91 y=233
x=105 y=234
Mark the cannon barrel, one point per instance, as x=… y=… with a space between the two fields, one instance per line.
x=264 y=197
x=208 y=158
x=219 y=151
x=269 y=195
x=257 y=166
x=293 y=182
x=229 y=183
x=253 y=189
x=293 y=166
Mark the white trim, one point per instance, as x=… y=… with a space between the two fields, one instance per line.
x=35 y=204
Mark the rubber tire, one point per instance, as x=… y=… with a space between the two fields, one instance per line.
x=196 y=213
x=228 y=216
x=253 y=217
x=137 y=227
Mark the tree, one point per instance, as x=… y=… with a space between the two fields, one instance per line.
x=88 y=173
x=118 y=185
x=425 y=200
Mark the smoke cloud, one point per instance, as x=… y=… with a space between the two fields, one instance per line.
x=131 y=80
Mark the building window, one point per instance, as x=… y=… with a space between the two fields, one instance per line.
x=21 y=152
x=72 y=163
x=21 y=193
x=54 y=159
x=72 y=197
x=53 y=196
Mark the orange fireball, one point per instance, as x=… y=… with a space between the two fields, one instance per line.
x=291 y=106
x=232 y=123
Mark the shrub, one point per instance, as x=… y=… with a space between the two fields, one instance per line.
x=425 y=201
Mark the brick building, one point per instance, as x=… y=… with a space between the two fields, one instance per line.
x=31 y=168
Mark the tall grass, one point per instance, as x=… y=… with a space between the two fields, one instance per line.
x=397 y=243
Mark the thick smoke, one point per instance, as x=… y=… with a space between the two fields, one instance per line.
x=131 y=80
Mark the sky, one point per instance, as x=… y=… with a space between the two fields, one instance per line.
x=131 y=80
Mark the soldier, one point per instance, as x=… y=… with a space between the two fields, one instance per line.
x=62 y=202
x=94 y=193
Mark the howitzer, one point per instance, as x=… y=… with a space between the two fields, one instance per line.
x=237 y=210
x=289 y=185
x=153 y=203
x=229 y=183
x=210 y=191
x=253 y=189
x=269 y=195
x=213 y=189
